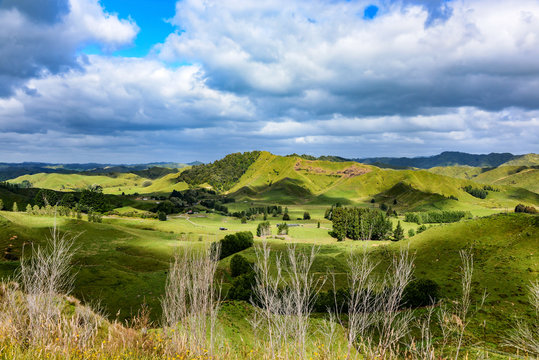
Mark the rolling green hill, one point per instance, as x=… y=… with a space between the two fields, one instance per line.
x=264 y=177
x=114 y=183
x=280 y=179
x=524 y=176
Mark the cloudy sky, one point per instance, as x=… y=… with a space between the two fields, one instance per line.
x=162 y=80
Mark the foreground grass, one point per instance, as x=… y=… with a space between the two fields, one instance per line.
x=122 y=263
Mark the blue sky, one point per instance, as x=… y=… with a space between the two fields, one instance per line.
x=150 y=16
x=138 y=81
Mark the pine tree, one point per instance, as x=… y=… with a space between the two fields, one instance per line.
x=28 y=209
x=15 y=207
x=398 y=233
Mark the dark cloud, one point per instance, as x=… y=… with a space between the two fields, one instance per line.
x=47 y=11
x=40 y=37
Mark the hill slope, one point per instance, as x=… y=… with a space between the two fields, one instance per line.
x=113 y=183
x=523 y=176
x=296 y=180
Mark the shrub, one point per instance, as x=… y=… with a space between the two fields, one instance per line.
x=146 y=183
x=521 y=208
x=162 y=216
x=411 y=232
x=286 y=217
x=234 y=243
x=242 y=287
x=239 y=265
x=420 y=292
x=421 y=229
x=306 y=216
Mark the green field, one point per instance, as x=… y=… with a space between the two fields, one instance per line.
x=122 y=262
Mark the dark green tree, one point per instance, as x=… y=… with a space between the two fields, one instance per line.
x=398 y=233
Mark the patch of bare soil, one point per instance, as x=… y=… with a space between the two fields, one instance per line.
x=349 y=172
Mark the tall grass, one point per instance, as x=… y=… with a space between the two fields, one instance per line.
x=192 y=301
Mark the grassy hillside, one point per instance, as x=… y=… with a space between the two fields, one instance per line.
x=524 y=160
x=295 y=180
x=123 y=262
x=524 y=176
x=114 y=183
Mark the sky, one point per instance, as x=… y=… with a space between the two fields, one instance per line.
x=133 y=81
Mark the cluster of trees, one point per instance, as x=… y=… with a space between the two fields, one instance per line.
x=359 y=223
x=234 y=243
x=476 y=192
x=436 y=216
x=274 y=210
x=388 y=209
x=95 y=217
x=221 y=174
x=282 y=229
x=193 y=199
x=263 y=229
x=521 y=208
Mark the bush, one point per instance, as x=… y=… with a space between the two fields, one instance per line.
x=234 y=243
x=146 y=183
x=286 y=217
x=239 y=266
x=162 y=216
x=521 y=208
x=411 y=232
x=421 y=229
x=306 y=216
x=420 y=292
x=242 y=287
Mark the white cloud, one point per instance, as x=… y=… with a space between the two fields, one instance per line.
x=32 y=48
x=286 y=76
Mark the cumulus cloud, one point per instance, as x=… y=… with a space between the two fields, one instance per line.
x=422 y=76
x=392 y=64
x=42 y=37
